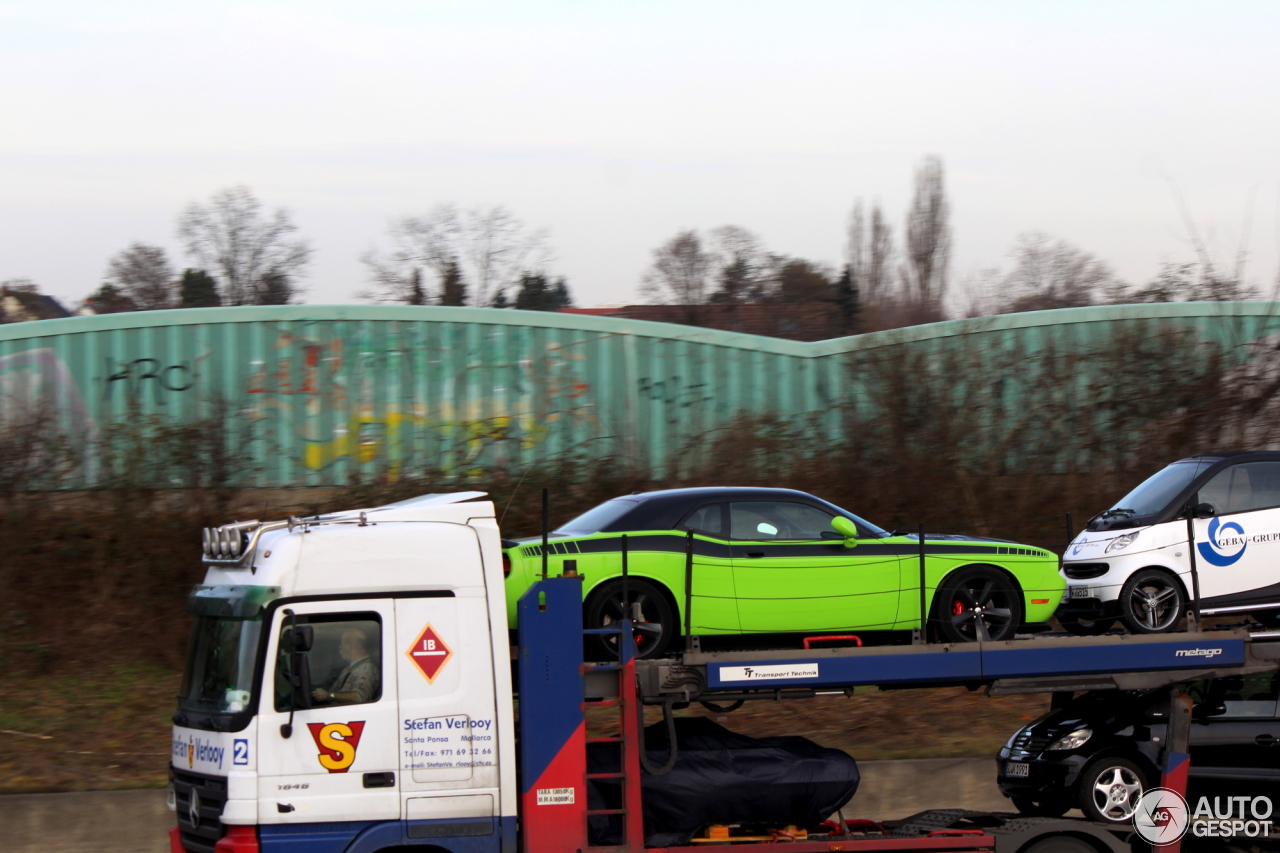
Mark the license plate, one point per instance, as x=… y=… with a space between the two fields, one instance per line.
x=1013 y=768
x=1079 y=591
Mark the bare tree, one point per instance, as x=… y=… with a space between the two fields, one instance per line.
x=143 y=274
x=869 y=254
x=1052 y=273
x=928 y=240
x=738 y=265
x=250 y=253
x=679 y=274
x=489 y=248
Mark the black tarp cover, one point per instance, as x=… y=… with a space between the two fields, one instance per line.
x=721 y=777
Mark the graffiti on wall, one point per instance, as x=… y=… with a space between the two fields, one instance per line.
x=332 y=397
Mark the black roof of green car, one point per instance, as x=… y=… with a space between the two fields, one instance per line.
x=663 y=510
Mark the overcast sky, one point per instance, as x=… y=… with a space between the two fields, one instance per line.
x=616 y=124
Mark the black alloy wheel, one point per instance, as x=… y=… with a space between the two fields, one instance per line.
x=1152 y=602
x=977 y=604
x=653 y=621
x=1083 y=627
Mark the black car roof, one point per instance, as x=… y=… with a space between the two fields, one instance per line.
x=1234 y=455
x=662 y=510
x=718 y=493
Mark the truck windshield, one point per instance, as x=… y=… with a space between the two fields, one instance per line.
x=1155 y=492
x=223 y=649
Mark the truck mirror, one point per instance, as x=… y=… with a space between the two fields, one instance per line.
x=300 y=638
x=300 y=678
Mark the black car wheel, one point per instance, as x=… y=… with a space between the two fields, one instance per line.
x=1268 y=618
x=1061 y=844
x=1083 y=627
x=653 y=621
x=1110 y=789
x=979 y=603
x=1041 y=808
x=1151 y=602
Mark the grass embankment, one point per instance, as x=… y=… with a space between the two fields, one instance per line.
x=109 y=727
x=93 y=634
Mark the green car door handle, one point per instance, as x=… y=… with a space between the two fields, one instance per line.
x=755 y=553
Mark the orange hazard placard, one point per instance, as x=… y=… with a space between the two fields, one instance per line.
x=429 y=653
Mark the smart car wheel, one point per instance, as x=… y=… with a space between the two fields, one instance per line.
x=1151 y=602
x=1110 y=789
x=653 y=621
x=1041 y=808
x=979 y=603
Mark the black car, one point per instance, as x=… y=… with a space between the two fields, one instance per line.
x=1100 y=751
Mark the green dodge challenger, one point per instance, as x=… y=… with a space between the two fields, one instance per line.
x=777 y=561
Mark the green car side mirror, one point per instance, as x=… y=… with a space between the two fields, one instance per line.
x=847 y=529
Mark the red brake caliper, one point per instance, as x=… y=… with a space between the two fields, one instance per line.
x=957 y=607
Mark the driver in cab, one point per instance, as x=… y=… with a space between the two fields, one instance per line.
x=358 y=680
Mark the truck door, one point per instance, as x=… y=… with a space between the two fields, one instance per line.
x=448 y=738
x=1238 y=549
x=340 y=762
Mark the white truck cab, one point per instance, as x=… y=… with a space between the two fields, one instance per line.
x=342 y=673
x=1132 y=562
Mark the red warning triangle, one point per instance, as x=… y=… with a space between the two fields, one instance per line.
x=429 y=653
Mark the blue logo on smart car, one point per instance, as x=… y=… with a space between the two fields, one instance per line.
x=1221 y=550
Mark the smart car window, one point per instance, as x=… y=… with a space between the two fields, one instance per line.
x=705 y=519
x=1245 y=487
x=782 y=520
x=345 y=659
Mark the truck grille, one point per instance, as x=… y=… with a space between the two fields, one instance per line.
x=212 y=793
x=1026 y=744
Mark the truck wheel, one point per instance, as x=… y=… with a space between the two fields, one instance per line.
x=1151 y=602
x=979 y=603
x=653 y=619
x=1110 y=789
x=1041 y=808
x=1080 y=627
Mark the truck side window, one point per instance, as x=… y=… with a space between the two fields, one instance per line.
x=345 y=659
x=1241 y=488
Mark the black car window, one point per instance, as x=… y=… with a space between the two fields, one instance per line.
x=764 y=520
x=1247 y=696
x=1244 y=487
x=707 y=519
x=597 y=518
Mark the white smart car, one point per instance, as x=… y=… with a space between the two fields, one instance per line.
x=1132 y=561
